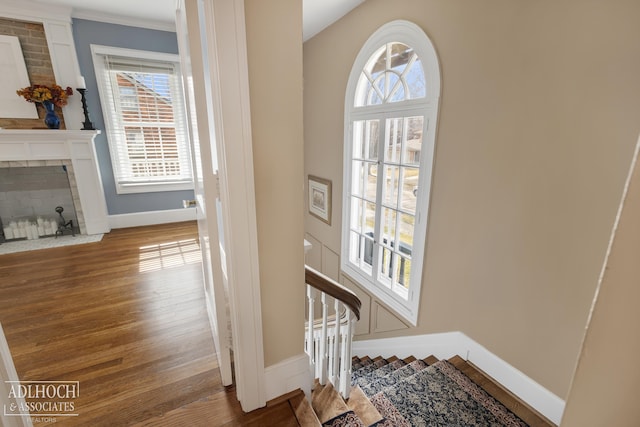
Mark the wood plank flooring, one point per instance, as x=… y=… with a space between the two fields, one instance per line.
x=126 y=318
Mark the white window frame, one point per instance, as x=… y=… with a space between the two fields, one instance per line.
x=152 y=184
x=413 y=36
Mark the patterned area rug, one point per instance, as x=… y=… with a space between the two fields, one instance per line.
x=440 y=395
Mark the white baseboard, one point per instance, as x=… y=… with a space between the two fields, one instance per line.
x=287 y=376
x=446 y=345
x=138 y=219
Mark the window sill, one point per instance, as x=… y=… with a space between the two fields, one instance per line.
x=153 y=187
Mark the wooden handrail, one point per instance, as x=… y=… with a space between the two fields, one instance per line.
x=333 y=288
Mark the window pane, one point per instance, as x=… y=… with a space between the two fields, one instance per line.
x=388 y=226
x=390 y=186
x=356 y=214
x=365 y=139
x=407 y=223
x=385 y=267
x=409 y=192
x=370 y=219
x=371 y=181
x=413 y=144
x=402 y=274
x=393 y=140
x=357 y=178
x=416 y=81
x=397 y=90
x=354 y=248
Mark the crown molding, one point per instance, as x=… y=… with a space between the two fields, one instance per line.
x=29 y=11
x=129 y=21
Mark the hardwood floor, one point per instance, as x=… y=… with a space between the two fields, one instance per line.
x=126 y=318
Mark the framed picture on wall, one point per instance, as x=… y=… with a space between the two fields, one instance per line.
x=320 y=198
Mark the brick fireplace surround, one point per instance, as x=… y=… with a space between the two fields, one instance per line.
x=72 y=148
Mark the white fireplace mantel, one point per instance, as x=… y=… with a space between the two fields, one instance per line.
x=19 y=147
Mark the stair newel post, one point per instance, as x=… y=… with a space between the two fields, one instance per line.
x=336 y=344
x=311 y=298
x=323 y=340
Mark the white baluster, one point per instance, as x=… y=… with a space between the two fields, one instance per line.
x=318 y=364
x=311 y=297
x=345 y=365
x=323 y=340
x=336 y=344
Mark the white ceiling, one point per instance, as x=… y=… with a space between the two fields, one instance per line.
x=317 y=14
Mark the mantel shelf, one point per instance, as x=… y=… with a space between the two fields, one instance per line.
x=45 y=135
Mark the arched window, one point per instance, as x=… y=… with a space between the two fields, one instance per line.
x=391 y=109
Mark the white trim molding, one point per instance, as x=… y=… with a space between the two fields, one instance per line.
x=225 y=49
x=287 y=376
x=91 y=15
x=40 y=147
x=138 y=219
x=8 y=373
x=446 y=345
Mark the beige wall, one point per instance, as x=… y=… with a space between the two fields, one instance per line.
x=538 y=119
x=274 y=49
x=604 y=390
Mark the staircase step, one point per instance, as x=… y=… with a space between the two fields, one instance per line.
x=388 y=380
x=409 y=359
x=441 y=392
x=373 y=375
x=367 y=369
x=360 y=404
x=346 y=419
x=392 y=378
x=431 y=360
x=304 y=412
x=498 y=392
x=327 y=402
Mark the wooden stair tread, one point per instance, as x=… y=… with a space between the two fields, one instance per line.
x=327 y=402
x=502 y=395
x=362 y=406
x=304 y=412
x=431 y=360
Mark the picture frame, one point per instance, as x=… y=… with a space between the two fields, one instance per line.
x=320 y=198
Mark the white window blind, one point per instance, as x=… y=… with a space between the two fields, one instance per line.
x=145 y=117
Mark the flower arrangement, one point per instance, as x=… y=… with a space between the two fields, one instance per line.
x=41 y=93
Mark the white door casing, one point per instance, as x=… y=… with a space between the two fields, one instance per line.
x=225 y=74
x=205 y=169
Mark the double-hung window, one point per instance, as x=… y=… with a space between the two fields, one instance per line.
x=391 y=110
x=144 y=112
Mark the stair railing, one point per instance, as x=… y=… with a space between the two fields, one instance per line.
x=328 y=338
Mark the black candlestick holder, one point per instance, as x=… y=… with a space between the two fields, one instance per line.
x=87 y=121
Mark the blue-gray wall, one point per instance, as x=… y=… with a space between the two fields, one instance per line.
x=86 y=33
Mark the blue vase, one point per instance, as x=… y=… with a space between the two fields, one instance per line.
x=50 y=119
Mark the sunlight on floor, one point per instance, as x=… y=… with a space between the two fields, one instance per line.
x=169 y=255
